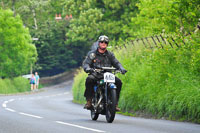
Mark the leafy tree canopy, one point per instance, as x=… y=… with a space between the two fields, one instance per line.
x=17 y=52
x=157 y=16
x=119 y=19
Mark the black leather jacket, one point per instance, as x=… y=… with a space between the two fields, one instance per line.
x=95 y=59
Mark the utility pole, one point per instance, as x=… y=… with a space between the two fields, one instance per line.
x=31 y=70
x=198 y=27
x=2 y=4
x=13 y=7
x=34 y=17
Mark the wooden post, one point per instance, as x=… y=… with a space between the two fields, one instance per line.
x=163 y=39
x=148 y=42
x=154 y=42
x=159 y=41
x=144 y=43
x=175 y=42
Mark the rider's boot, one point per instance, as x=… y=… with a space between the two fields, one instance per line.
x=88 y=105
x=117 y=108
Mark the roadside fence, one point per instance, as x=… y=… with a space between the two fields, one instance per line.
x=158 y=41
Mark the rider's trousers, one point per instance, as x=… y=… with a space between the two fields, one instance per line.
x=91 y=81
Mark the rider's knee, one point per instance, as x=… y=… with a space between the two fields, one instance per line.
x=118 y=81
x=89 y=79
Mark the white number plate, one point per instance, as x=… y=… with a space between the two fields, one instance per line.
x=109 y=77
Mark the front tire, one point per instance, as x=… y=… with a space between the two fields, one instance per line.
x=111 y=106
x=94 y=115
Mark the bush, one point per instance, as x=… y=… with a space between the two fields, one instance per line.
x=3 y=86
x=18 y=84
x=162 y=82
x=79 y=86
x=21 y=84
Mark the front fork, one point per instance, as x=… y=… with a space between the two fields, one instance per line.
x=96 y=101
x=106 y=94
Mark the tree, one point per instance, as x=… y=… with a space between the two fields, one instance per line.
x=112 y=15
x=157 y=16
x=91 y=18
x=17 y=52
x=54 y=55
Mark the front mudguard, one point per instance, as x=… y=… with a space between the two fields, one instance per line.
x=112 y=86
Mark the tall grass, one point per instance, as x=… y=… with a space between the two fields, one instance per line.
x=78 y=87
x=15 y=85
x=162 y=82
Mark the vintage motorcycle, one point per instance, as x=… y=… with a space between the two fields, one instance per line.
x=105 y=98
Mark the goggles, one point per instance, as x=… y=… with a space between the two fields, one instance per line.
x=104 y=42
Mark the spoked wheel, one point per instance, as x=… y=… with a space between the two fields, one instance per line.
x=94 y=115
x=111 y=107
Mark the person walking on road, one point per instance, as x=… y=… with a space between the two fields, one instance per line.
x=37 y=79
x=32 y=82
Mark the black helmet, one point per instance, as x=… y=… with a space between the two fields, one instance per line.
x=103 y=38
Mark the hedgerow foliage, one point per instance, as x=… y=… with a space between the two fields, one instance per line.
x=15 y=85
x=79 y=86
x=162 y=82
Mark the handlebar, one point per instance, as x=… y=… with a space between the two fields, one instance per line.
x=107 y=69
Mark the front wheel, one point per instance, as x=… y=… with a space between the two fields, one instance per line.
x=111 y=106
x=94 y=115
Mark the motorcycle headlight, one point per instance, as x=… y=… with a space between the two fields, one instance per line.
x=101 y=81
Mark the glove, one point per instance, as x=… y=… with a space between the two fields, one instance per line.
x=123 y=71
x=89 y=70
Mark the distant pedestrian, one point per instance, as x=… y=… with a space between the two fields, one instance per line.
x=37 y=79
x=32 y=82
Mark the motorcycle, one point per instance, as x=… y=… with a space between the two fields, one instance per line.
x=105 y=98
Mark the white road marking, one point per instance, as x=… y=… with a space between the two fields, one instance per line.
x=11 y=100
x=66 y=93
x=5 y=102
x=30 y=115
x=4 y=105
x=31 y=98
x=68 y=124
x=11 y=110
x=39 y=117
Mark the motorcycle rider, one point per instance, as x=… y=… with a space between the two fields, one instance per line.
x=98 y=58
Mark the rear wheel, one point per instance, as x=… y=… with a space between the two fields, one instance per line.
x=111 y=106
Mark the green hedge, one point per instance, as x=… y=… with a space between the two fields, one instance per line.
x=15 y=85
x=79 y=86
x=162 y=82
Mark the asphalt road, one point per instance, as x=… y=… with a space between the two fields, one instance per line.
x=52 y=111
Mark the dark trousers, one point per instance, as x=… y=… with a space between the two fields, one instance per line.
x=91 y=81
